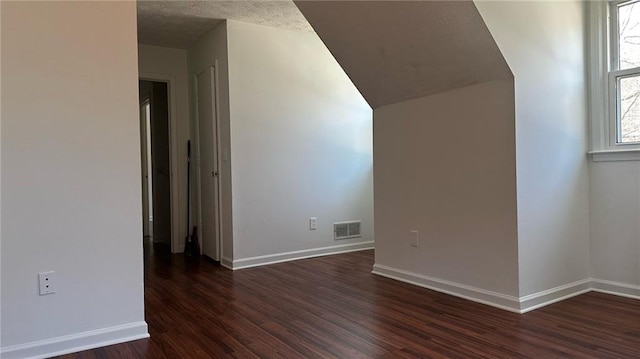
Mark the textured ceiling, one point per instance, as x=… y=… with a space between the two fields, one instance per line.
x=181 y=23
x=400 y=50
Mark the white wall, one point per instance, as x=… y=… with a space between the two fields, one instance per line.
x=172 y=63
x=209 y=51
x=445 y=166
x=70 y=175
x=301 y=142
x=543 y=43
x=615 y=223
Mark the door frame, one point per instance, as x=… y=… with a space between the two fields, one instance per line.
x=174 y=197
x=213 y=68
x=147 y=226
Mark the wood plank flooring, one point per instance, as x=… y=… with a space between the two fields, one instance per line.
x=333 y=307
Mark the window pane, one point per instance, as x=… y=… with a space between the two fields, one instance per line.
x=629 y=35
x=630 y=109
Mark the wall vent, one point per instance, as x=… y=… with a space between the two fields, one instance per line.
x=344 y=230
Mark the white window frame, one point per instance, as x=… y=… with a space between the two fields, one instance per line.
x=603 y=79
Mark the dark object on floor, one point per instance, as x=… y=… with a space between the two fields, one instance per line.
x=192 y=247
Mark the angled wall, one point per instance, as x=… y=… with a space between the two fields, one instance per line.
x=401 y=50
x=545 y=221
x=444 y=141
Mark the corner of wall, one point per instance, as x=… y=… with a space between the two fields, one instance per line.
x=212 y=50
x=551 y=137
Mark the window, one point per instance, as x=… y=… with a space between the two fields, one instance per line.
x=624 y=70
x=614 y=76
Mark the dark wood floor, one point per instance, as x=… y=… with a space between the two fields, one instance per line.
x=333 y=307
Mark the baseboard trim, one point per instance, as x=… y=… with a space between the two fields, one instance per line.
x=537 y=300
x=520 y=305
x=297 y=255
x=77 y=342
x=616 y=288
x=226 y=262
x=494 y=299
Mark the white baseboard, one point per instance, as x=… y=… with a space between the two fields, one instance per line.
x=226 y=262
x=296 y=255
x=77 y=342
x=483 y=296
x=616 y=288
x=553 y=295
x=518 y=305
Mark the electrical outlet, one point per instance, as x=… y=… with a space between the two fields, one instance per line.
x=313 y=223
x=413 y=239
x=47 y=282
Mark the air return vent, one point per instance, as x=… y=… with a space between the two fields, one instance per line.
x=344 y=230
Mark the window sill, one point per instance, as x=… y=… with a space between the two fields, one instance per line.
x=615 y=155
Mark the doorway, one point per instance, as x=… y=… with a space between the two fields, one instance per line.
x=156 y=163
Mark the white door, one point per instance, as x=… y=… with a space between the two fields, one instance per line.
x=208 y=169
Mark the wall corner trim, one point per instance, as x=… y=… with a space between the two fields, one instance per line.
x=226 y=262
x=543 y=298
x=77 y=342
x=296 y=255
x=520 y=305
x=494 y=299
x=616 y=288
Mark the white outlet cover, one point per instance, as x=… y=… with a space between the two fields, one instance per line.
x=413 y=239
x=313 y=223
x=47 y=282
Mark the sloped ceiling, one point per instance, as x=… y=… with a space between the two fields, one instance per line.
x=400 y=50
x=180 y=24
